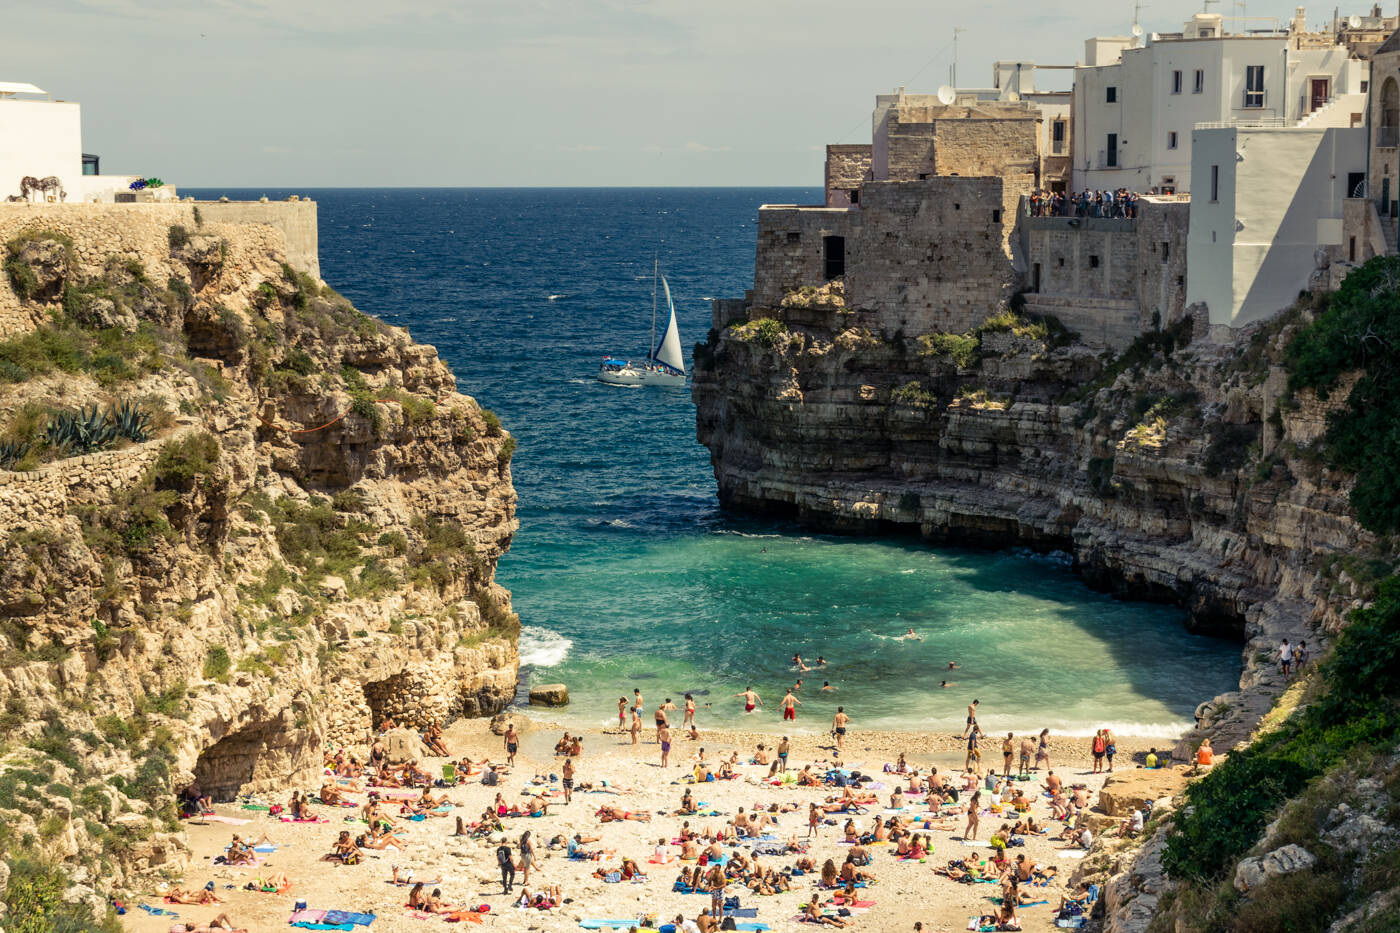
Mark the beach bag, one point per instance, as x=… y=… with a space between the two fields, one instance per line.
x=490 y=779
x=1111 y=750
x=275 y=809
x=729 y=924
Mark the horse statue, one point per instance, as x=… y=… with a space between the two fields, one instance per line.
x=29 y=184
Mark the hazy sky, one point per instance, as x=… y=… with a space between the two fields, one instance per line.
x=531 y=92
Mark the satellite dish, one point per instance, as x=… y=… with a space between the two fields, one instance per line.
x=946 y=94
x=1013 y=97
x=1354 y=22
x=1137 y=30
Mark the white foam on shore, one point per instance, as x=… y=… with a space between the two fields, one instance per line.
x=540 y=647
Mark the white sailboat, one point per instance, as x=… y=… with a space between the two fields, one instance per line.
x=665 y=365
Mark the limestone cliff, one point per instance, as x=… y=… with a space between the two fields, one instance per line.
x=1177 y=471
x=240 y=522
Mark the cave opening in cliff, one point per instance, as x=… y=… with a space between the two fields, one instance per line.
x=240 y=759
x=385 y=699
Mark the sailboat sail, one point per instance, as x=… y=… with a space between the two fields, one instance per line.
x=668 y=351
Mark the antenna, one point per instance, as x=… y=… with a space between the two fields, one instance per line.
x=1137 y=16
x=1205 y=5
x=947 y=94
x=954 y=77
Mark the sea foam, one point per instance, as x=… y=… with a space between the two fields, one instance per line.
x=540 y=647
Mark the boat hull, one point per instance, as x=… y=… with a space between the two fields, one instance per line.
x=636 y=376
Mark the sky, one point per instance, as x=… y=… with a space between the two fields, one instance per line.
x=354 y=93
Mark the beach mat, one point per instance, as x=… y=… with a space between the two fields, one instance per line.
x=606 y=924
x=218 y=818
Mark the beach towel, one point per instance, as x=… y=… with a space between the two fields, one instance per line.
x=737 y=912
x=606 y=924
x=157 y=911
x=349 y=916
x=308 y=925
x=307 y=916
x=255 y=806
x=217 y=818
x=314 y=819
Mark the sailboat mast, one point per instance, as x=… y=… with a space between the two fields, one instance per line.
x=655 y=270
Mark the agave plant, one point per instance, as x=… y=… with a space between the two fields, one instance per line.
x=129 y=421
x=12 y=452
x=80 y=432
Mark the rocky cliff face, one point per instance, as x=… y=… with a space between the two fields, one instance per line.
x=1178 y=471
x=241 y=522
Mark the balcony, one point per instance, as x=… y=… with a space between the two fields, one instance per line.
x=1388 y=137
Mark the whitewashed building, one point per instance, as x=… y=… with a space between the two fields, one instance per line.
x=1267 y=204
x=1137 y=101
x=42 y=138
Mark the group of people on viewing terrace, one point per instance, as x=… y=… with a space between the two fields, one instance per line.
x=1120 y=203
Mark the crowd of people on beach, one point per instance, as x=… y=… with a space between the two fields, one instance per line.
x=1118 y=203
x=898 y=813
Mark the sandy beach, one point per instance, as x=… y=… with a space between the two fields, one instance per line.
x=466 y=869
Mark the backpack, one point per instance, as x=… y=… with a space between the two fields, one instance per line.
x=490 y=779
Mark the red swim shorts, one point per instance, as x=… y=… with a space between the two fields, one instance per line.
x=790 y=712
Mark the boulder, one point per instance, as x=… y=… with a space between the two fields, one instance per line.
x=333 y=586
x=549 y=695
x=1252 y=872
x=41 y=266
x=404 y=745
x=1127 y=791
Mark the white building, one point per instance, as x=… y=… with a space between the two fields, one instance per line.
x=42 y=138
x=1136 y=102
x=1265 y=200
x=39 y=137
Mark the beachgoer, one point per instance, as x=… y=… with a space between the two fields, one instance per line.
x=1008 y=745
x=621 y=713
x=1042 y=750
x=826 y=685
x=783 y=749
x=1285 y=658
x=790 y=704
x=507 y=863
x=751 y=699
x=663 y=735
x=838 y=724
x=568 y=780
x=971 y=715
x=689 y=711
x=512 y=739
x=1097 y=748
x=1110 y=747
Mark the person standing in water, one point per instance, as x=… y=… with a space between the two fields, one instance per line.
x=790 y=704
x=621 y=713
x=751 y=699
x=838 y=723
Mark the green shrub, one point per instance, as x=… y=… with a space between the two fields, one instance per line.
x=177 y=236
x=492 y=422
x=1358 y=332
x=913 y=395
x=35 y=903
x=181 y=463
x=963 y=349
x=217 y=664
x=506 y=452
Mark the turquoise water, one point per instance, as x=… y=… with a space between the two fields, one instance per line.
x=625 y=572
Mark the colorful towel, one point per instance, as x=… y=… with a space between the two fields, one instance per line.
x=157 y=911
x=308 y=925
x=217 y=818
x=314 y=819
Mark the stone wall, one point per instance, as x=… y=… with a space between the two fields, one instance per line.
x=40 y=497
x=920 y=137
x=1109 y=279
x=296 y=219
x=847 y=168
x=988 y=147
x=919 y=256
x=140 y=231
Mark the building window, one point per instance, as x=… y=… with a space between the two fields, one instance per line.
x=1093 y=262
x=1057 y=136
x=1207 y=33
x=1176 y=82
x=1061 y=261
x=1214 y=183
x=1365 y=86
x=794 y=236
x=855 y=195
x=1111 y=151
x=1254 y=86
x=996 y=216
x=1351 y=250
x=1166 y=250
x=1111 y=95
x=1390 y=114
x=1171 y=139
x=1200 y=82
x=834 y=256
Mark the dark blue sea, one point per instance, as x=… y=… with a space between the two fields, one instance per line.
x=625 y=572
